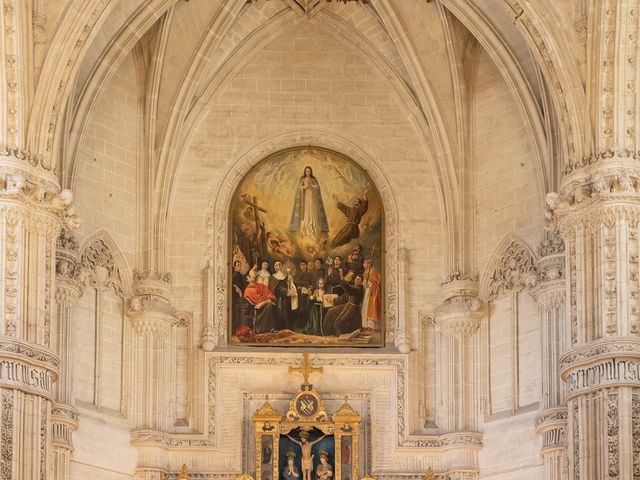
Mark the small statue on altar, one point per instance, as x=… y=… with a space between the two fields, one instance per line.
x=307 y=458
x=291 y=471
x=324 y=471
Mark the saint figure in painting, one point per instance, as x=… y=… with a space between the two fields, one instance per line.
x=308 y=216
x=262 y=299
x=354 y=214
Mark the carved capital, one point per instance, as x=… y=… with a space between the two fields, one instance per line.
x=70 y=279
x=18 y=189
x=150 y=309
x=461 y=310
x=599 y=193
x=64 y=419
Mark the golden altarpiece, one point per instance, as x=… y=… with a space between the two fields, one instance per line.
x=306 y=443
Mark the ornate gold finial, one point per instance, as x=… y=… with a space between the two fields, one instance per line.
x=184 y=473
x=306 y=370
x=430 y=475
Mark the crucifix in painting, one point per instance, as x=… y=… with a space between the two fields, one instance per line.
x=306 y=245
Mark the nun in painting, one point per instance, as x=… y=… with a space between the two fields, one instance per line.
x=308 y=216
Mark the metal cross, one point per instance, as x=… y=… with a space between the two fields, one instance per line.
x=306 y=370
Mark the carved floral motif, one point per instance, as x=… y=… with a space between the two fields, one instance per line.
x=6 y=443
x=99 y=261
x=613 y=441
x=515 y=271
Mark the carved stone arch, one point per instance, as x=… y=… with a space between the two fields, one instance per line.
x=104 y=264
x=511 y=267
x=433 y=136
x=221 y=203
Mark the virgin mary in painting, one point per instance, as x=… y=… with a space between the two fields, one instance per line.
x=308 y=216
x=304 y=257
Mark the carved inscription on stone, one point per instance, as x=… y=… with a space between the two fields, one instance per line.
x=17 y=374
x=608 y=372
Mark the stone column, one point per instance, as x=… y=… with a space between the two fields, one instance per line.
x=598 y=214
x=551 y=421
x=64 y=416
x=457 y=378
x=402 y=336
x=31 y=215
x=152 y=316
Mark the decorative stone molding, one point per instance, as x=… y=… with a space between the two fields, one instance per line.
x=27 y=367
x=103 y=271
x=598 y=350
x=514 y=271
x=150 y=309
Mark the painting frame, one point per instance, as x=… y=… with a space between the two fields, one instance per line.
x=377 y=249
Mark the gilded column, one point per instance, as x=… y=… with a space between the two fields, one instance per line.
x=551 y=421
x=457 y=379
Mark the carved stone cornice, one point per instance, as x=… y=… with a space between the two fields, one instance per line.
x=150 y=309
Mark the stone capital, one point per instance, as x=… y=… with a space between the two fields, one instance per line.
x=70 y=279
x=150 y=309
x=461 y=310
x=64 y=419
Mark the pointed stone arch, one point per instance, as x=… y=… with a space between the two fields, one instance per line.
x=511 y=267
x=104 y=264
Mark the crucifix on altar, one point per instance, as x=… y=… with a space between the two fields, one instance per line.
x=306 y=443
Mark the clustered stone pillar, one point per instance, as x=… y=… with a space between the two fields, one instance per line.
x=64 y=416
x=32 y=212
x=457 y=378
x=152 y=316
x=598 y=214
x=551 y=421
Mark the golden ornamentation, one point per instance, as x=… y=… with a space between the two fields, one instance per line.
x=306 y=413
x=306 y=370
x=184 y=473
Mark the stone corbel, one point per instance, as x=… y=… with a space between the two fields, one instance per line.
x=150 y=309
x=461 y=310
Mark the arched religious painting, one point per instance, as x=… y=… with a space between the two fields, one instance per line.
x=307 y=247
